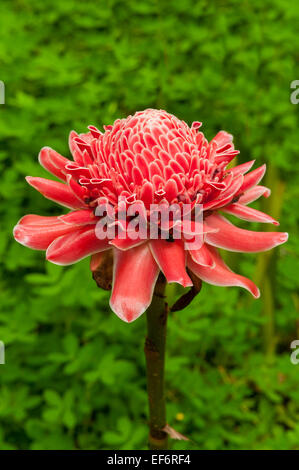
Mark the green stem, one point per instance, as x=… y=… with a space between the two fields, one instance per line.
x=155 y=361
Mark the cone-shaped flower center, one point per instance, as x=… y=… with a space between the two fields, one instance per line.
x=151 y=156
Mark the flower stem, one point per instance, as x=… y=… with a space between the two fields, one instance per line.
x=155 y=361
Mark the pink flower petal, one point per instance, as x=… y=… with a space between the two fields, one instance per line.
x=135 y=275
x=233 y=238
x=72 y=144
x=241 y=169
x=55 y=191
x=171 y=259
x=252 y=178
x=192 y=228
x=78 y=191
x=253 y=194
x=147 y=194
x=221 y=275
x=226 y=195
x=249 y=214
x=53 y=162
x=39 y=236
x=126 y=243
x=79 y=217
x=202 y=256
x=222 y=138
x=33 y=219
x=75 y=246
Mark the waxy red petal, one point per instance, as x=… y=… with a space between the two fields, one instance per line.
x=40 y=236
x=75 y=246
x=253 y=194
x=202 y=256
x=33 y=219
x=55 y=191
x=252 y=179
x=126 y=243
x=53 y=162
x=233 y=238
x=79 y=217
x=221 y=275
x=171 y=259
x=241 y=169
x=135 y=275
x=249 y=214
x=222 y=138
x=227 y=195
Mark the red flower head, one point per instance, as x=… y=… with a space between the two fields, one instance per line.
x=152 y=158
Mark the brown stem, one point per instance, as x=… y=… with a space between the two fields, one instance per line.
x=155 y=360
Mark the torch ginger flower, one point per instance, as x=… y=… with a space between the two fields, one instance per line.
x=151 y=157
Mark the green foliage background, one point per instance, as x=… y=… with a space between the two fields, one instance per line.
x=74 y=376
